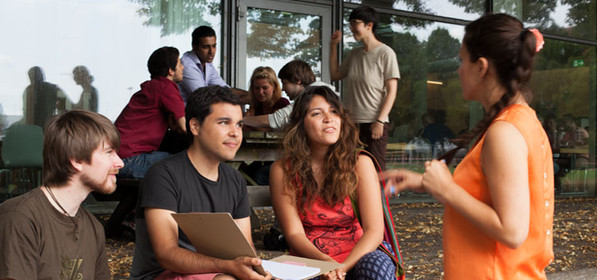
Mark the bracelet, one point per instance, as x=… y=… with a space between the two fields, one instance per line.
x=380 y=122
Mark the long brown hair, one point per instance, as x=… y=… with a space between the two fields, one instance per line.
x=510 y=48
x=339 y=165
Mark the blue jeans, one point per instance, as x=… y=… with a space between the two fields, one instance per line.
x=137 y=166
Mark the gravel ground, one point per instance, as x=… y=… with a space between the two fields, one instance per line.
x=419 y=233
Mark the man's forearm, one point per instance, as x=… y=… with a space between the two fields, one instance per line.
x=242 y=94
x=183 y=261
x=260 y=121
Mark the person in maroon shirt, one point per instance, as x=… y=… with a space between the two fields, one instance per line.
x=142 y=125
x=145 y=119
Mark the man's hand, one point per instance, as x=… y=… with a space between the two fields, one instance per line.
x=376 y=130
x=336 y=37
x=242 y=268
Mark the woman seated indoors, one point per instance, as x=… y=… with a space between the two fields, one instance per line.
x=266 y=93
x=311 y=185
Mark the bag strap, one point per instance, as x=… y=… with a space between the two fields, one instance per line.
x=389 y=229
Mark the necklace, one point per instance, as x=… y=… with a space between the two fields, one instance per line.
x=65 y=213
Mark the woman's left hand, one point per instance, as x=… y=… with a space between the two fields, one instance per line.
x=336 y=274
x=437 y=179
x=376 y=130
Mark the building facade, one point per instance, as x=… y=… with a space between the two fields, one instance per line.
x=70 y=53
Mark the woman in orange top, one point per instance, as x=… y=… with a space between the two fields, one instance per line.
x=498 y=216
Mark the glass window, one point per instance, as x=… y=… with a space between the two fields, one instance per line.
x=82 y=48
x=273 y=33
x=277 y=37
x=428 y=91
x=461 y=9
x=572 y=18
x=564 y=90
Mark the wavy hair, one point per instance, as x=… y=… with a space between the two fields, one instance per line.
x=510 y=48
x=339 y=165
x=267 y=73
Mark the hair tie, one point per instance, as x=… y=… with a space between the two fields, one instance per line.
x=539 y=42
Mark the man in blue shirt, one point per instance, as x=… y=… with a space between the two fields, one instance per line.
x=199 y=70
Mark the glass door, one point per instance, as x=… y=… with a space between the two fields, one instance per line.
x=272 y=33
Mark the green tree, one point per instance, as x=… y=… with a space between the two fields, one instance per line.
x=535 y=12
x=176 y=16
x=582 y=17
x=441 y=45
x=278 y=34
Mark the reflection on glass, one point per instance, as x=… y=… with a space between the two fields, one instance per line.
x=276 y=37
x=99 y=35
x=462 y=9
x=88 y=99
x=564 y=90
x=563 y=86
x=177 y=17
x=42 y=100
x=429 y=93
x=572 y=18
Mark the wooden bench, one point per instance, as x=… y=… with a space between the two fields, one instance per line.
x=259 y=197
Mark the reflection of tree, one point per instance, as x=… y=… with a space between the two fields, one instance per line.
x=433 y=59
x=386 y=20
x=412 y=5
x=441 y=45
x=413 y=67
x=311 y=47
x=559 y=54
x=442 y=53
x=176 y=16
x=277 y=34
x=581 y=16
x=538 y=13
x=471 y=6
x=535 y=12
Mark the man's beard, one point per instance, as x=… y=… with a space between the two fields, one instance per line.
x=96 y=186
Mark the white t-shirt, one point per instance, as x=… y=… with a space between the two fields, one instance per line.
x=365 y=74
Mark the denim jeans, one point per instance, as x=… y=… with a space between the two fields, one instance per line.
x=137 y=166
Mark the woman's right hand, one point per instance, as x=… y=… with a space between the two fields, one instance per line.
x=401 y=180
x=437 y=179
x=336 y=37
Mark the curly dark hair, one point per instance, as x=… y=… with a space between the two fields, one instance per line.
x=339 y=166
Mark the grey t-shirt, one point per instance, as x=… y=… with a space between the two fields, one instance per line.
x=364 y=83
x=174 y=184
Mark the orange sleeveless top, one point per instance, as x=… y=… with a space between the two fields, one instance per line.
x=468 y=252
